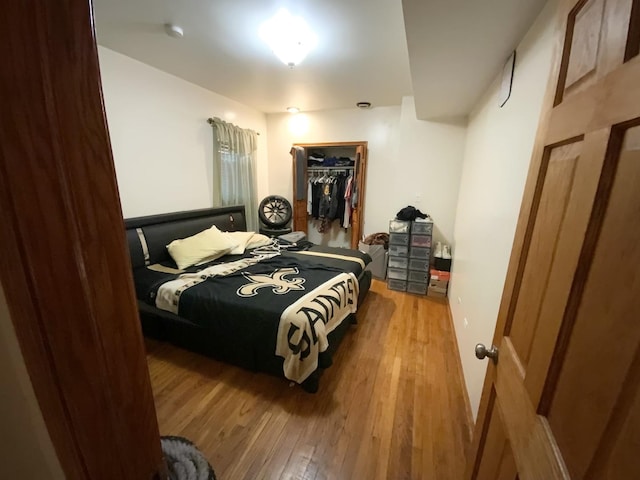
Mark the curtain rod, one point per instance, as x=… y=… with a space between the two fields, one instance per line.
x=213 y=120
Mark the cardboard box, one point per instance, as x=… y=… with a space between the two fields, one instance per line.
x=440 y=275
x=436 y=292
x=378 y=265
x=438 y=283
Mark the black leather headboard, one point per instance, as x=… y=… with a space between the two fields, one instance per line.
x=157 y=231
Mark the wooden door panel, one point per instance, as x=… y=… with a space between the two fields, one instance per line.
x=583 y=55
x=633 y=40
x=501 y=465
x=299 y=206
x=507 y=469
x=614 y=100
x=300 y=221
x=601 y=358
x=558 y=180
x=531 y=439
x=618 y=457
x=357 y=219
x=65 y=268
x=595 y=45
x=566 y=383
x=571 y=237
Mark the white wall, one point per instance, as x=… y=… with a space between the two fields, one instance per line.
x=162 y=144
x=429 y=174
x=26 y=450
x=496 y=160
x=410 y=161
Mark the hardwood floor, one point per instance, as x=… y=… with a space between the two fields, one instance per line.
x=391 y=406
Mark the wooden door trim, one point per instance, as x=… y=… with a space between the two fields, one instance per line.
x=522 y=235
x=299 y=206
x=358 y=213
x=65 y=269
x=330 y=144
x=356 y=234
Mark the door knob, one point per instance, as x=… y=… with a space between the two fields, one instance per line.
x=482 y=352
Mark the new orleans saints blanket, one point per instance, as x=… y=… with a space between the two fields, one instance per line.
x=292 y=300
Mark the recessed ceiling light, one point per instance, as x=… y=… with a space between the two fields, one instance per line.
x=293 y=109
x=363 y=104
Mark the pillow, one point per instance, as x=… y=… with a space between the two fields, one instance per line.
x=258 y=240
x=241 y=239
x=204 y=246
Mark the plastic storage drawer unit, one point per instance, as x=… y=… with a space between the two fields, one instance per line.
x=417 y=287
x=399 y=226
x=400 y=285
x=398 y=262
x=421 y=240
x=398 y=251
x=397 y=273
x=399 y=239
x=422 y=253
x=417 y=276
x=417 y=264
x=424 y=228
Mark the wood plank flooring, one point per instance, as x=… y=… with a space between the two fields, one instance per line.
x=390 y=407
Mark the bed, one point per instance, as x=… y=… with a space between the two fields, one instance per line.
x=284 y=314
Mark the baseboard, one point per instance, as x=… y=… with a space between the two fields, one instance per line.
x=467 y=401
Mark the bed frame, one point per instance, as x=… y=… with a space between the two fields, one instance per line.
x=147 y=238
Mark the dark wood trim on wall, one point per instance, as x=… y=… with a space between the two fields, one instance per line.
x=64 y=266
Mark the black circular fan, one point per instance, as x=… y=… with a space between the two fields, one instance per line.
x=275 y=211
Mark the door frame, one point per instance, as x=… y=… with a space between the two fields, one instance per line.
x=300 y=206
x=64 y=268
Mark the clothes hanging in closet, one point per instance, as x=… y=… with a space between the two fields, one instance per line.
x=328 y=200
x=346 y=218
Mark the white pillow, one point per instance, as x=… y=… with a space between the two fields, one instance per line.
x=258 y=240
x=201 y=247
x=241 y=239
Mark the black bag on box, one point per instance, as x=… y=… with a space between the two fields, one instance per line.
x=410 y=214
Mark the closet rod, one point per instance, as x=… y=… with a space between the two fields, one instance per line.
x=318 y=169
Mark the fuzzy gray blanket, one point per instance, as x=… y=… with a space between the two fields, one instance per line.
x=185 y=461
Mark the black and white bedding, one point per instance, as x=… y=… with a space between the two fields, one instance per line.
x=275 y=315
x=290 y=301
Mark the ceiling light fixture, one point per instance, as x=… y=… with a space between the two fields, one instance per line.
x=293 y=109
x=289 y=37
x=173 y=30
x=363 y=105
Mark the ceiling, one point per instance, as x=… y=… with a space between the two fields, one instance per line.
x=361 y=53
x=457 y=47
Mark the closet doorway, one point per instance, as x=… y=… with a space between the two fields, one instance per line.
x=329 y=191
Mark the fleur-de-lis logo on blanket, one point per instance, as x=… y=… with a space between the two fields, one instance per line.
x=276 y=280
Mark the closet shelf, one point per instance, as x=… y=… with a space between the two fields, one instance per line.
x=319 y=169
